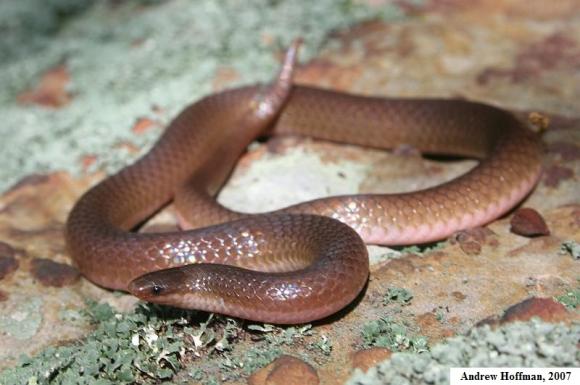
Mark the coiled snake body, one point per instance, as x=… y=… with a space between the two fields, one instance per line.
x=307 y=261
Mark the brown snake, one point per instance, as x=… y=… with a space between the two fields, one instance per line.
x=307 y=261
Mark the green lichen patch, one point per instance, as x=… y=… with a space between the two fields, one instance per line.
x=23 y=321
x=323 y=345
x=572 y=248
x=397 y=295
x=22 y=21
x=423 y=249
x=529 y=344
x=571 y=299
x=392 y=334
x=142 y=347
x=393 y=331
x=269 y=342
x=281 y=336
x=440 y=313
x=235 y=366
x=156 y=344
x=133 y=59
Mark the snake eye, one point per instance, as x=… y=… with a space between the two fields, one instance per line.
x=156 y=289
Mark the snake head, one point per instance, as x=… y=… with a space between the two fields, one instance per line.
x=161 y=286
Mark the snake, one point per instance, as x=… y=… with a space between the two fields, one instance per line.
x=307 y=261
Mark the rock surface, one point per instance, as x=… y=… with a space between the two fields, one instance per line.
x=285 y=370
x=519 y=55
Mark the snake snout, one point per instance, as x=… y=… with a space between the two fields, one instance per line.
x=157 y=285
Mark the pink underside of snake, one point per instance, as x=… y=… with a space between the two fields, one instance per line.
x=424 y=233
x=307 y=261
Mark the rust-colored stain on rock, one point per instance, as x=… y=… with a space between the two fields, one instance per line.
x=555 y=174
x=8 y=265
x=87 y=161
x=567 y=151
x=8 y=261
x=51 y=90
x=30 y=180
x=6 y=250
x=143 y=125
x=224 y=77
x=50 y=273
x=554 y=51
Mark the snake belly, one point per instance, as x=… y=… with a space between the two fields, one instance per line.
x=307 y=261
